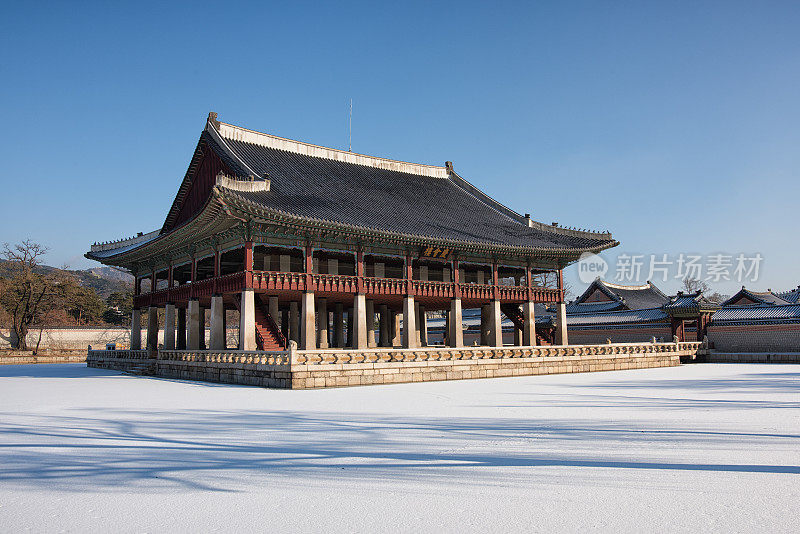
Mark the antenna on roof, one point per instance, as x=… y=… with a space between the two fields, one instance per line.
x=350 y=129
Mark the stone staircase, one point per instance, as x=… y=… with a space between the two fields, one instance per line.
x=514 y=314
x=268 y=334
x=144 y=368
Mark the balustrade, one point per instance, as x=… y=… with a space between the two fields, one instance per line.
x=331 y=283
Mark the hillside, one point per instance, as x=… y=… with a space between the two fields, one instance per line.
x=104 y=280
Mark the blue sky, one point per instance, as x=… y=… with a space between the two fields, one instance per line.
x=674 y=125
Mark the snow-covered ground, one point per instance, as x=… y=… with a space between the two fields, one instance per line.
x=710 y=447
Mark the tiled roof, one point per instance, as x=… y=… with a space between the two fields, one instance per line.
x=631 y=297
x=763 y=313
x=759 y=297
x=792 y=296
x=323 y=184
x=690 y=302
x=617 y=317
x=594 y=307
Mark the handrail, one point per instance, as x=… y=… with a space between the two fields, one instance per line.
x=337 y=283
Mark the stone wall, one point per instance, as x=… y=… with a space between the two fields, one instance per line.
x=752 y=357
x=70 y=338
x=755 y=338
x=632 y=334
x=80 y=338
x=334 y=368
x=24 y=358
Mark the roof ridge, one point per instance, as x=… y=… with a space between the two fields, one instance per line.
x=237 y=133
x=648 y=285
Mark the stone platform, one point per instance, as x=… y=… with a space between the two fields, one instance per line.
x=299 y=369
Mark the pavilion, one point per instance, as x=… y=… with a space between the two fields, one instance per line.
x=330 y=249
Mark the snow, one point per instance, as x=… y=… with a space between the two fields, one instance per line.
x=697 y=447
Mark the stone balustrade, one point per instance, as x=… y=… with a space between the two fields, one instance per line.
x=124 y=354
x=303 y=369
x=227 y=356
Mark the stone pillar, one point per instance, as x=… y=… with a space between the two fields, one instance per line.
x=202 y=328
x=528 y=325
x=409 y=324
x=371 y=324
x=308 y=326
x=359 y=322
x=495 y=325
x=322 y=323
x=417 y=335
x=455 y=334
x=485 y=326
x=397 y=337
x=561 y=325
x=217 y=340
x=136 y=329
x=169 y=327
x=338 y=325
x=193 y=341
x=152 y=328
x=285 y=322
x=274 y=310
x=383 y=328
x=294 y=322
x=180 y=337
x=247 y=321
x=350 y=338
x=422 y=327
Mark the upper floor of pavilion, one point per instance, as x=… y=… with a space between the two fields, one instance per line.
x=243 y=185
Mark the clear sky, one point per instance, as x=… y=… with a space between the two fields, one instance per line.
x=676 y=125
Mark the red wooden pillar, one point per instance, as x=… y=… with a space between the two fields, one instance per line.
x=456 y=280
x=560 y=285
x=248 y=264
x=170 y=274
x=215 y=290
x=495 y=282
x=528 y=283
x=193 y=277
x=309 y=266
x=153 y=281
x=409 y=274
x=360 y=271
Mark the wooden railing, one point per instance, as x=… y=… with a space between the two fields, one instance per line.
x=348 y=284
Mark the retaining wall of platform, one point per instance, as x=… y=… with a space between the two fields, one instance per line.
x=335 y=368
x=119 y=360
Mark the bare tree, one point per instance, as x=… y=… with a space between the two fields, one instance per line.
x=693 y=285
x=24 y=289
x=549 y=280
